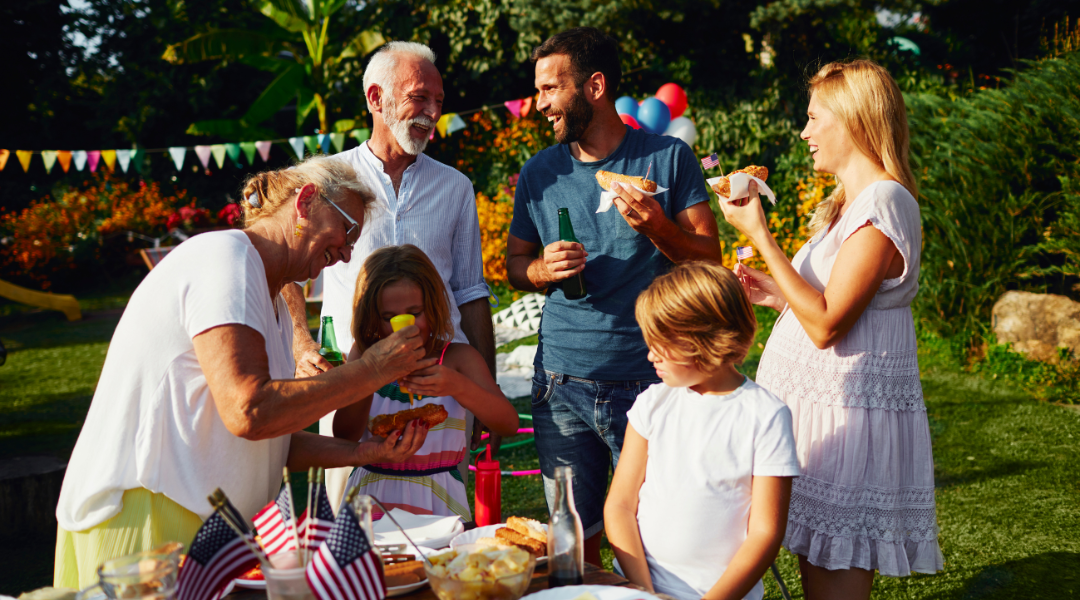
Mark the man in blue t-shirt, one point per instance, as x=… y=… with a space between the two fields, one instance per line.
x=591 y=363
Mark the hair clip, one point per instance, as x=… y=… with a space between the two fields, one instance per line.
x=253 y=200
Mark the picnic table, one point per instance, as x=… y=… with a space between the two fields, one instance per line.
x=593 y=576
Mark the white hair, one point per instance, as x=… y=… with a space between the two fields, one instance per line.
x=381 y=67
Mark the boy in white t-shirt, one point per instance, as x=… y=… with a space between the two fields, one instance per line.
x=699 y=501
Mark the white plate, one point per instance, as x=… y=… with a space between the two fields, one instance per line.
x=473 y=535
x=602 y=592
x=437 y=542
x=251 y=584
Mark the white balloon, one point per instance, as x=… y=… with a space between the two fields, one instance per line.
x=683 y=129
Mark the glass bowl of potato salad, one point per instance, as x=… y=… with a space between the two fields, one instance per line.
x=475 y=572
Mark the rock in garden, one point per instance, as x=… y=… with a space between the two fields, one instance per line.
x=1037 y=324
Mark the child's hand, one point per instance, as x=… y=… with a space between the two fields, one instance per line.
x=761 y=288
x=436 y=380
x=398 y=445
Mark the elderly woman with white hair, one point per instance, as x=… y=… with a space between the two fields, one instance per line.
x=197 y=391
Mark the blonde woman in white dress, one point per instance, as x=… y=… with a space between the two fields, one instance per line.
x=842 y=354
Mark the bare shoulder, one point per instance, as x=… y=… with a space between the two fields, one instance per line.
x=459 y=355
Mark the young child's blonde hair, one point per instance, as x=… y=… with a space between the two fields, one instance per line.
x=389 y=265
x=700 y=314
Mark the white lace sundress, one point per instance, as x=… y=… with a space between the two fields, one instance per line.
x=866 y=495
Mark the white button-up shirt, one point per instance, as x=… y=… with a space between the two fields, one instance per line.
x=435 y=210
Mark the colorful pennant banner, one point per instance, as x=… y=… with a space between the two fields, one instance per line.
x=447 y=125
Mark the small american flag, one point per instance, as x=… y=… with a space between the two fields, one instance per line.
x=743 y=252
x=217 y=556
x=346 y=565
x=321 y=522
x=273 y=523
x=710 y=161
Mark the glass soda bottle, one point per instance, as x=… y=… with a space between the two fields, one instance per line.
x=566 y=539
x=328 y=347
x=574 y=287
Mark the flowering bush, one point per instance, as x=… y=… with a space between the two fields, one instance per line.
x=495 y=214
x=53 y=239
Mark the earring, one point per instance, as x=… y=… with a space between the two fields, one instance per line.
x=299 y=229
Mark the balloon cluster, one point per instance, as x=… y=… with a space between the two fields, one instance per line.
x=660 y=114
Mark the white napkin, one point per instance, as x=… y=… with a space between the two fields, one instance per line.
x=740 y=186
x=419 y=527
x=607 y=199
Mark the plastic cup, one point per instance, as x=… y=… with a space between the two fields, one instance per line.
x=286 y=579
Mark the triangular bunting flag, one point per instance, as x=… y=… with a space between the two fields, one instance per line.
x=93 y=156
x=124 y=158
x=138 y=156
x=312 y=143
x=4 y=154
x=338 y=140
x=49 y=158
x=218 y=150
x=249 y=152
x=177 y=153
x=514 y=106
x=203 y=152
x=297 y=144
x=109 y=156
x=360 y=135
x=80 y=159
x=234 y=154
x=443 y=122
x=64 y=156
x=24 y=158
x=456 y=124
x=264 y=149
x=324 y=142
x=526 y=105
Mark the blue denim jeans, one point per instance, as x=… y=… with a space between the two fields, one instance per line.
x=580 y=423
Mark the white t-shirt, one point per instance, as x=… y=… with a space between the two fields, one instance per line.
x=152 y=423
x=694 y=506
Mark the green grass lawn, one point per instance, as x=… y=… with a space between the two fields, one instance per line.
x=1008 y=478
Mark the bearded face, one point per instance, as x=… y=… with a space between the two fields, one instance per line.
x=571 y=120
x=402 y=128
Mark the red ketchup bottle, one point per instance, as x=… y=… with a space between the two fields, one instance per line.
x=488 y=498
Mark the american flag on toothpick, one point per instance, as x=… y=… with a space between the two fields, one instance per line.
x=320 y=523
x=743 y=252
x=346 y=565
x=710 y=161
x=217 y=556
x=275 y=524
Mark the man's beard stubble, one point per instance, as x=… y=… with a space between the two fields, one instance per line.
x=576 y=118
x=400 y=129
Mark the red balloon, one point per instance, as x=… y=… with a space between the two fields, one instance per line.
x=631 y=121
x=675 y=98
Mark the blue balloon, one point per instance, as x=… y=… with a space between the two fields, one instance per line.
x=626 y=106
x=653 y=116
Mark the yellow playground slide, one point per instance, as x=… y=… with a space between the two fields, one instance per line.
x=62 y=302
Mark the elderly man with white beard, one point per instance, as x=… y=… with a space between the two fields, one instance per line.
x=420 y=201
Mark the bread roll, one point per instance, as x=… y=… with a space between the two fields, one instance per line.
x=526 y=543
x=528 y=527
x=723 y=187
x=606 y=178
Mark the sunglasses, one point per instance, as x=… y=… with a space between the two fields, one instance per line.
x=353 y=233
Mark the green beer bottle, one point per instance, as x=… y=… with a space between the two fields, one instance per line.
x=328 y=343
x=574 y=287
